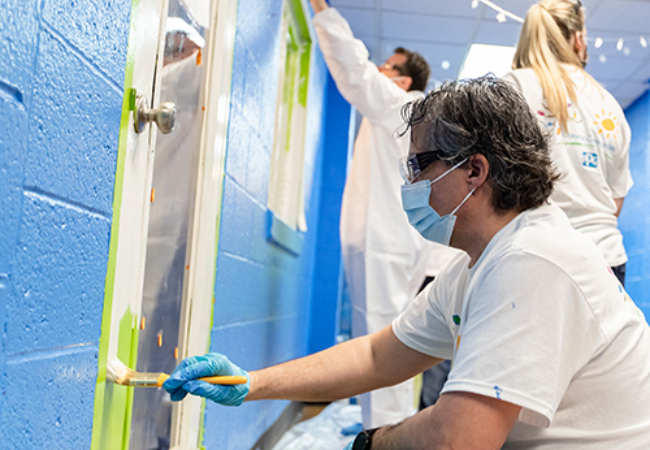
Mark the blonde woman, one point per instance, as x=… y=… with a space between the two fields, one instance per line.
x=591 y=137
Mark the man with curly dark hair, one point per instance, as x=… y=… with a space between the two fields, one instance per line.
x=548 y=350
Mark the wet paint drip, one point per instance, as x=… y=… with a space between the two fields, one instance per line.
x=457 y=342
x=498 y=391
x=160 y=339
x=199 y=57
x=456 y=319
x=176 y=353
x=143 y=323
x=153 y=195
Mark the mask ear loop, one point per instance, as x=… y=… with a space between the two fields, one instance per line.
x=463 y=202
x=448 y=171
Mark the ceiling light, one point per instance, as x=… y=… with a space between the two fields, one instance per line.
x=501 y=17
x=602 y=58
x=598 y=43
x=643 y=42
x=475 y=4
x=483 y=59
x=445 y=65
x=619 y=44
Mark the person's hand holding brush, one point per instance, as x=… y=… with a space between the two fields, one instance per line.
x=184 y=380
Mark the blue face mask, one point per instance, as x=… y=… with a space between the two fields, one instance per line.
x=415 y=201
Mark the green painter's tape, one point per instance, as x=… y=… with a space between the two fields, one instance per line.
x=113 y=403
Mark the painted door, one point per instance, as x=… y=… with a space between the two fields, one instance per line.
x=168 y=192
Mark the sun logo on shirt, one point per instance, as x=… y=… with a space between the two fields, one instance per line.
x=606 y=124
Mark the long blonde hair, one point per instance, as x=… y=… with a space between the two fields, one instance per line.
x=544 y=44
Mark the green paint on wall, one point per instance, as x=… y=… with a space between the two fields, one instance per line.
x=112 y=423
x=113 y=404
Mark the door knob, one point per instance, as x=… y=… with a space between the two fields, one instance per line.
x=164 y=115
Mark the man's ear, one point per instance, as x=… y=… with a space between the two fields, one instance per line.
x=404 y=82
x=479 y=167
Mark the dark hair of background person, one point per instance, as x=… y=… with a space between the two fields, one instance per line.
x=488 y=116
x=415 y=67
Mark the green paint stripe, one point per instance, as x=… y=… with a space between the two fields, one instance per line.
x=300 y=20
x=103 y=428
x=578 y=144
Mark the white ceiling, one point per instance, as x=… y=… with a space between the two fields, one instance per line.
x=443 y=30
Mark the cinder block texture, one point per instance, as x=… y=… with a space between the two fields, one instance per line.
x=18 y=34
x=98 y=28
x=50 y=400
x=634 y=221
x=263 y=293
x=12 y=149
x=59 y=277
x=74 y=126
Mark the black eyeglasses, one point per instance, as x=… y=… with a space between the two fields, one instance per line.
x=413 y=165
x=389 y=66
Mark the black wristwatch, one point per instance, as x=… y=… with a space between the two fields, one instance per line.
x=363 y=441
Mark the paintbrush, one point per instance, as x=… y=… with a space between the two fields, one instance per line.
x=119 y=373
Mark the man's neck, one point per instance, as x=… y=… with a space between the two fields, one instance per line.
x=479 y=231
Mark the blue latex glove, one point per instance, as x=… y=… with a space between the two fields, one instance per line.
x=183 y=380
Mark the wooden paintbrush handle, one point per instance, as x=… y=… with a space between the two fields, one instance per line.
x=224 y=380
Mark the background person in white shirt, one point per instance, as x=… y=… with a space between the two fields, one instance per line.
x=548 y=350
x=384 y=258
x=591 y=137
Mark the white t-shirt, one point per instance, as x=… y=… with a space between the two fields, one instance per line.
x=540 y=321
x=592 y=155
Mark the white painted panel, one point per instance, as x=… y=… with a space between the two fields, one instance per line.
x=457 y=8
x=495 y=33
x=613 y=68
x=362 y=21
x=426 y=28
x=368 y=4
x=199 y=290
x=621 y=15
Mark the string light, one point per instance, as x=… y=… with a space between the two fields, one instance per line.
x=503 y=14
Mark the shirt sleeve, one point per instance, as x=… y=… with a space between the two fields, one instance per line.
x=427 y=324
x=526 y=332
x=375 y=96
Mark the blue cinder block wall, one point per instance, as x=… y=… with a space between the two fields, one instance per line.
x=635 y=216
x=61 y=85
x=264 y=294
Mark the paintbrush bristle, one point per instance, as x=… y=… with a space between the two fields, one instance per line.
x=118 y=372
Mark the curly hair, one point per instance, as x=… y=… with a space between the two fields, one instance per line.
x=488 y=116
x=415 y=67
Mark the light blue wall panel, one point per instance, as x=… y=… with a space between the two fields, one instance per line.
x=61 y=76
x=58 y=296
x=50 y=399
x=74 y=125
x=264 y=294
x=635 y=217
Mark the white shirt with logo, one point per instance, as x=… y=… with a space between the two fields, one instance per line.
x=541 y=321
x=592 y=156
